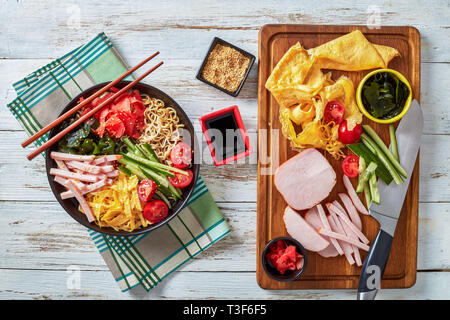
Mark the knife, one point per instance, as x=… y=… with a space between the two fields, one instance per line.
x=408 y=135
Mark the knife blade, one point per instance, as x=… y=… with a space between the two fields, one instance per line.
x=408 y=134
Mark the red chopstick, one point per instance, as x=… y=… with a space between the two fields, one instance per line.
x=82 y=119
x=85 y=102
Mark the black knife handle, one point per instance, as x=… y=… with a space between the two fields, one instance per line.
x=373 y=267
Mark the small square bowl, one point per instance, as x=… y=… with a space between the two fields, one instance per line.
x=216 y=41
x=240 y=124
x=272 y=272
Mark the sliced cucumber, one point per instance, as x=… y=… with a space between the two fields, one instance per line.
x=374 y=192
x=385 y=150
x=394 y=147
x=363 y=152
x=369 y=143
x=365 y=175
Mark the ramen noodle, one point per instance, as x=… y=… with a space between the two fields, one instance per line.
x=161 y=127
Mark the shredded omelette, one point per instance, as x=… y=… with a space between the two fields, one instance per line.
x=302 y=90
x=118 y=205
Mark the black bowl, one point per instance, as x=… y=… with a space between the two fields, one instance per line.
x=272 y=272
x=71 y=205
x=215 y=41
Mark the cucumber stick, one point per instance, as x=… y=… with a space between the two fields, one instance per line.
x=394 y=147
x=363 y=152
x=369 y=143
x=150 y=151
x=151 y=164
x=385 y=150
x=367 y=195
x=365 y=175
x=373 y=186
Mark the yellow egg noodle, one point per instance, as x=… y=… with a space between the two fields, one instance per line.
x=161 y=127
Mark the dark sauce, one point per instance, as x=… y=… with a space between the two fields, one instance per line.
x=225 y=136
x=384 y=95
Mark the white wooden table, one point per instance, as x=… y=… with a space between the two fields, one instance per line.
x=39 y=241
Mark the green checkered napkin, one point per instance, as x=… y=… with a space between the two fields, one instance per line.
x=144 y=259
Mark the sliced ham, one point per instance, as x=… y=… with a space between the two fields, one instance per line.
x=336 y=227
x=326 y=224
x=113 y=157
x=329 y=252
x=89 y=188
x=99 y=160
x=73 y=175
x=305 y=179
x=106 y=168
x=62 y=181
x=84 y=166
x=352 y=193
x=342 y=237
x=61 y=164
x=107 y=158
x=83 y=203
x=112 y=174
x=312 y=217
x=346 y=220
x=348 y=231
x=69 y=156
x=351 y=210
x=303 y=232
x=352 y=235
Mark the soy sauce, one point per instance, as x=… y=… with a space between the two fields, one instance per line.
x=225 y=136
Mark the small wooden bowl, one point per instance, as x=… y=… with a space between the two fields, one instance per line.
x=71 y=205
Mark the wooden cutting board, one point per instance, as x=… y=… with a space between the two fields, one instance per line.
x=331 y=273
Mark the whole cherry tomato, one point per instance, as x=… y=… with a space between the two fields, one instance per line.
x=347 y=136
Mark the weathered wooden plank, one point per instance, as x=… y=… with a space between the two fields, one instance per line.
x=24 y=180
x=98 y=285
x=177 y=78
x=191 y=24
x=40 y=235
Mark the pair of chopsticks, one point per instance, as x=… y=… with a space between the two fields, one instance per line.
x=82 y=119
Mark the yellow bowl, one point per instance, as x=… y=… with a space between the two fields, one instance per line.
x=363 y=109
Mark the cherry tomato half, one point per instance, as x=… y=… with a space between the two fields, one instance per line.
x=181 y=155
x=146 y=190
x=155 y=211
x=181 y=180
x=334 y=111
x=349 y=136
x=350 y=166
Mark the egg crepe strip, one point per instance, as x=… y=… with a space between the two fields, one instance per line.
x=118 y=205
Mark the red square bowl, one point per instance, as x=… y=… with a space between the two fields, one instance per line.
x=216 y=117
